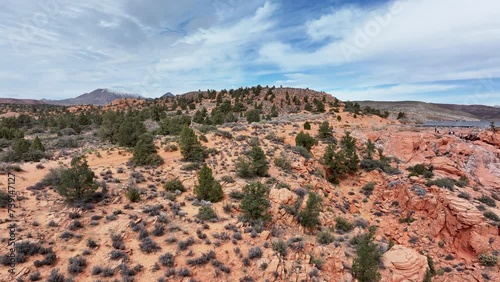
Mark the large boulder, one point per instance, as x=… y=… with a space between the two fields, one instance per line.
x=403 y=264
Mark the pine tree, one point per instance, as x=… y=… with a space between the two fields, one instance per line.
x=259 y=162
x=253 y=116
x=208 y=188
x=370 y=149
x=145 y=151
x=255 y=202
x=365 y=265
x=129 y=131
x=77 y=183
x=348 y=144
x=37 y=145
x=191 y=148
x=307 y=126
x=325 y=130
x=305 y=140
x=309 y=217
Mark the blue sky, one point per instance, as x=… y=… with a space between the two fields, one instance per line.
x=437 y=51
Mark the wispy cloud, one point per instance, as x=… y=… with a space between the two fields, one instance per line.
x=394 y=49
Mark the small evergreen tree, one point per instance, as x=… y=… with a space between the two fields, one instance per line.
x=145 y=151
x=370 y=149
x=309 y=217
x=493 y=127
x=37 y=145
x=208 y=188
x=129 y=131
x=77 y=183
x=259 y=161
x=255 y=202
x=305 y=140
x=307 y=126
x=365 y=265
x=253 y=116
x=191 y=148
x=255 y=165
x=325 y=130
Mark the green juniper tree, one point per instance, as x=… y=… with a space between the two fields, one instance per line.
x=145 y=152
x=208 y=188
x=309 y=217
x=77 y=183
x=191 y=148
x=255 y=202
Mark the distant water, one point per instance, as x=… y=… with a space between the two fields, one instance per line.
x=482 y=124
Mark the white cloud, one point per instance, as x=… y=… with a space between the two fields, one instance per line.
x=422 y=40
x=391 y=93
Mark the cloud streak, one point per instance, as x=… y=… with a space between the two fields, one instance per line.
x=403 y=49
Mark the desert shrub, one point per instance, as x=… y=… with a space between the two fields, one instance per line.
x=280 y=247
x=208 y=188
x=66 y=143
x=53 y=178
x=255 y=202
x=184 y=272
x=206 y=213
x=420 y=169
x=491 y=215
x=77 y=183
x=148 y=246
x=237 y=195
x=203 y=138
x=116 y=255
x=133 y=194
x=446 y=182
x=184 y=244
x=55 y=276
x=203 y=259
x=67 y=132
x=462 y=181
x=255 y=252
x=283 y=162
x=76 y=265
x=370 y=164
x=35 y=276
x=309 y=217
x=368 y=188
x=325 y=238
x=4 y=199
x=305 y=140
x=158 y=230
x=343 y=224
x=487 y=260
x=227 y=179
x=191 y=148
x=302 y=151
x=173 y=185
x=167 y=260
x=487 y=200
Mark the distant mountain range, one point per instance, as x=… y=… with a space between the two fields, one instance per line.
x=97 y=97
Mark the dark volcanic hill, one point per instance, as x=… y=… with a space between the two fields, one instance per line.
x=97 y=97
x=167 y=95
